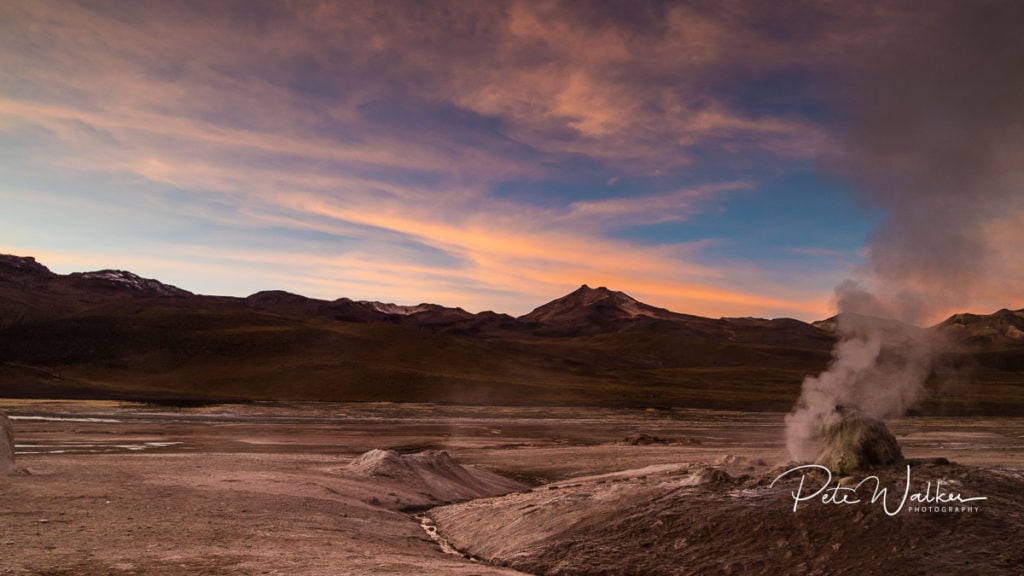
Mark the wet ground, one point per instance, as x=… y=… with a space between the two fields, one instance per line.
x=261 y=489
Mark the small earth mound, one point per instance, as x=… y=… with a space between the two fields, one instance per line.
x=432 y=473
x=6 y=446
x=852 y=441
x=644 y=439
x=700 y=520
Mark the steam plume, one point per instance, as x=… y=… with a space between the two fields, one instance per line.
x=936 y=140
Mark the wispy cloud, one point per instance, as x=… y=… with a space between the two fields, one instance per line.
x=650 y=209
x=357 y=149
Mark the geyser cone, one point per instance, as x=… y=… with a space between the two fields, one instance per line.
x=852 y=441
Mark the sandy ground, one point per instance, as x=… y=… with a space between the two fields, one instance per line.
x=263 y=489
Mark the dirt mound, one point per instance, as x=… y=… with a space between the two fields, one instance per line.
x=702 y=521
x=6 y=446
x=852 y=441
x=432 y=473
x=644 y=439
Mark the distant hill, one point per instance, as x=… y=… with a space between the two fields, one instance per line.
x=113 y=334
x=595 y=309
x=1003 y=329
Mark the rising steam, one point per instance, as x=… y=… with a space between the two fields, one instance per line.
x=936 y=140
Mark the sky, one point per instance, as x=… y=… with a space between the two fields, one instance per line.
x=725 y=158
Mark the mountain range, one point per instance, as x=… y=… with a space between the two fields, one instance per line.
x=113 y=334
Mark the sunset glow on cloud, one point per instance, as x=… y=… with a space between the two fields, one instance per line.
x=490 y=155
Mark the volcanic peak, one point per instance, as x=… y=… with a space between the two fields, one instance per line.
x=590 y=301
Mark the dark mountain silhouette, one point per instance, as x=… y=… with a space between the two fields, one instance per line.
x=594 y=305
x=113 y=334
x=1001 y=329
x=588 y=311
x=116 y=280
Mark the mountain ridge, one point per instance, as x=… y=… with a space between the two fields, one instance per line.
x=585 y=311
x=113 y=334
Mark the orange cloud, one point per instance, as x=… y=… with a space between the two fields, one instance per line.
x=539 y=261
x=200 y=105
x=650 y=209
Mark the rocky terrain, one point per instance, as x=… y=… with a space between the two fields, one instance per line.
x=594 y=435
x=324 y=489
x=700 y=519
x=858 y=508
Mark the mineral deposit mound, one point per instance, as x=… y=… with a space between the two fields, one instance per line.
x=853 y=441
x=695 y=520
x=6 y=446
x=432 y=473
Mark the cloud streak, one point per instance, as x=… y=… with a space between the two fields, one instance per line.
x=486 y=154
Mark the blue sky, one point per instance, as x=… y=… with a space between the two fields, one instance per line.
x=490 y=155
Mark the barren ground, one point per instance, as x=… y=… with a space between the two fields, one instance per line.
x=262 y=489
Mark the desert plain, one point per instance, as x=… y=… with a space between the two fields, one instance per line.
x=270 y=488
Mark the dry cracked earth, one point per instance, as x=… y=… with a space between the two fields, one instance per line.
x=113 y=488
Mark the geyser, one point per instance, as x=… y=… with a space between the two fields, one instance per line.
x=852 y=441
x=878 y=371
x=935 y=142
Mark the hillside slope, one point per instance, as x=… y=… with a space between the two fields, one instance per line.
x=112 y=334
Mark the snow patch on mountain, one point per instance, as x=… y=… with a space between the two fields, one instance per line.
x=125 y=279
x=389 y=308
